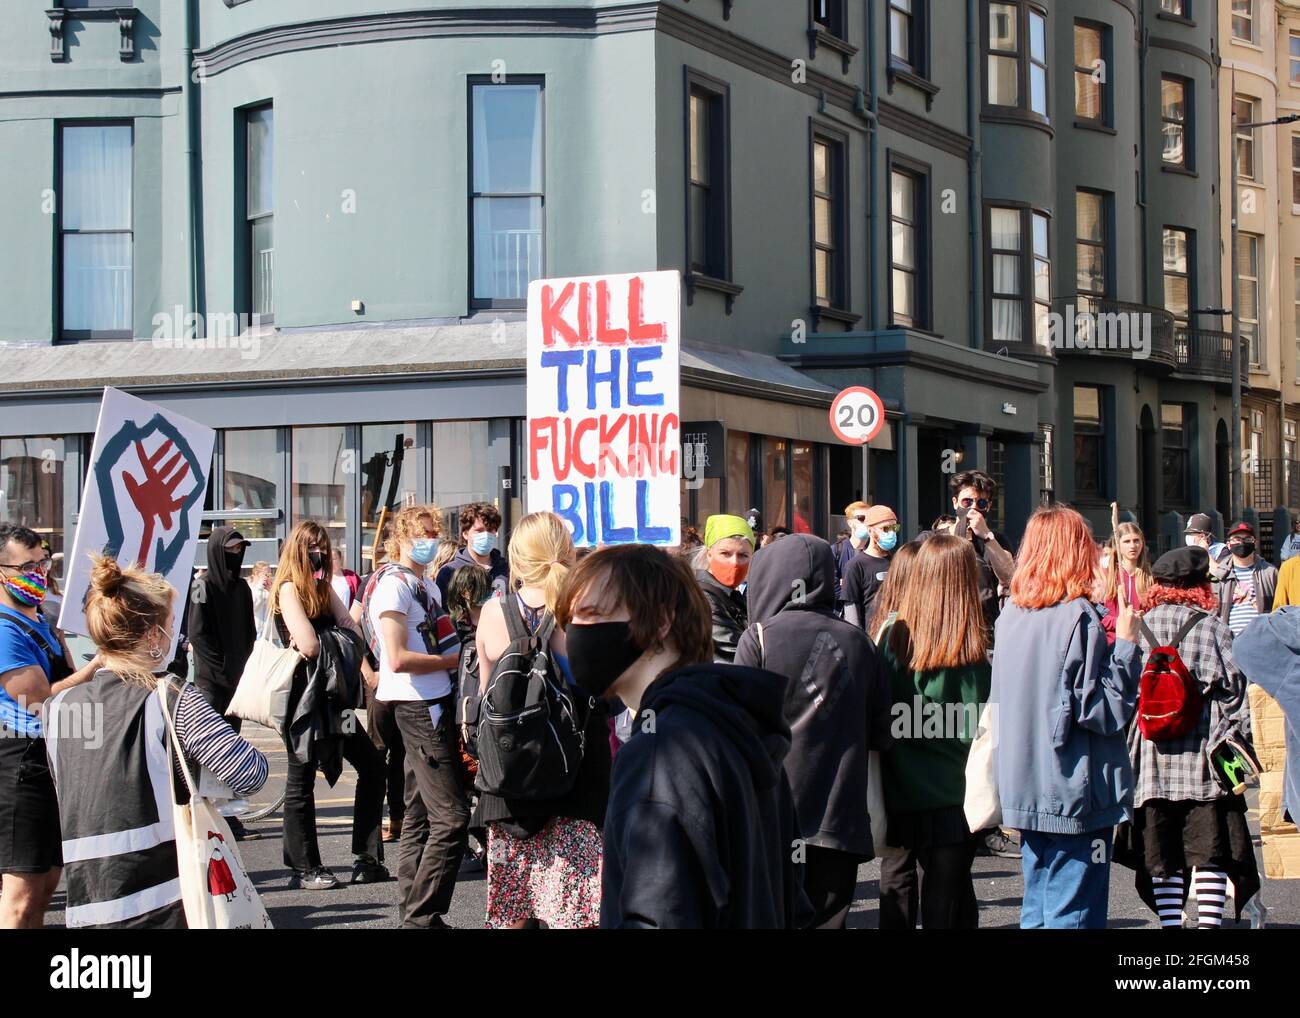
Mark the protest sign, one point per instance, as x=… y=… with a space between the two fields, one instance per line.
x=142 y=501
x=604 y=426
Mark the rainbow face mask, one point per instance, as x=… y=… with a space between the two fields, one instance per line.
x=27 y=588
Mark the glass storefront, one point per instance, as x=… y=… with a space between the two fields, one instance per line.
x=775 y=478
x=389 y=477
x=802 y=474
x=320 y=464
x=31 y=489
x=461 y=472
x=252 y=479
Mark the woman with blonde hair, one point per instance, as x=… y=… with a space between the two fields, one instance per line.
x=936 y=652
x=1063 y=700
x=543 y=854
x=304 y=606
x=115 y=799
x=1126 y=561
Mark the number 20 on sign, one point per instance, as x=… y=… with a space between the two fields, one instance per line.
x=857 y=415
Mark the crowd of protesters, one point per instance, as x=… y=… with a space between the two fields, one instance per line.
x=716 y=736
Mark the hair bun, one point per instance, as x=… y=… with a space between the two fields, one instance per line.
x=106 y=576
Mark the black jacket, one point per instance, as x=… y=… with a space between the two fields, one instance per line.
x=221 y=624
x=323 y=704
x=701 y=822
x=727 y=607
x=838 y=700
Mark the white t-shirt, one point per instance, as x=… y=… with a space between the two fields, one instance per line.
x=392 y=594
x=340 y=586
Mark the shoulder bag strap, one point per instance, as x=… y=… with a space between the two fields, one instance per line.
x=173 y=738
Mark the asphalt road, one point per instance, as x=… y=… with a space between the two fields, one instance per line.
x=998 y=884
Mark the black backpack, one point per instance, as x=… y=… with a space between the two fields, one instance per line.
x=530 y=725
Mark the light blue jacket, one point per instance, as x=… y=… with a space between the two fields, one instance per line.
x=1062 y=699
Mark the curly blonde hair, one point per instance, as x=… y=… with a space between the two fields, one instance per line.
x=406 y=526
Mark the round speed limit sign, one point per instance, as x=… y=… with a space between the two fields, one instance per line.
x=857 y=415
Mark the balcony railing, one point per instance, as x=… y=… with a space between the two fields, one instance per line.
x=1115 y=328
x=1207 y=353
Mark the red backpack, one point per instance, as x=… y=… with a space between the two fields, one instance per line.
x=1169 y=697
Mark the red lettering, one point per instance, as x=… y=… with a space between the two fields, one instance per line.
x=562 y=471
x=668 y=465
x=604 y=333
x=584 y=314
x=583 y=467
x=607 y=436
x=553 y=322
x=537 y=441
x=638 y=330
x=645 y=461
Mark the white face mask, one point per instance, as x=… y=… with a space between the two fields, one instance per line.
x=1191 y=542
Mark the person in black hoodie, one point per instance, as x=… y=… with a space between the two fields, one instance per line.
x=837 y=704
x=700 y=827
x=221 y=626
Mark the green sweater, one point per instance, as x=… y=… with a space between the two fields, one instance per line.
x=934 y=719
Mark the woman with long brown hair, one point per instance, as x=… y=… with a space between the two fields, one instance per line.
x=1125 y=561
x=891 y=591
x=114 y=794
x=936 y=652
x=303 y=603
x=1062 y=699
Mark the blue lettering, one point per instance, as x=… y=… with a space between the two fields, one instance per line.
x=590 y=488
x=635 y=376
x=563 y=360
x=611 y=377
x=646 y=534
x=564 y=501
x=609 y=533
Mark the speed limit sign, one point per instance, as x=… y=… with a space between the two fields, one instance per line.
x=857 y=415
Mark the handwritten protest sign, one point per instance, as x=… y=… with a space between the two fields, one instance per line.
x=604 y=425
x=143 y=499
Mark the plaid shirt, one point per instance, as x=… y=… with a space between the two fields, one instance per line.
x=1179 y=769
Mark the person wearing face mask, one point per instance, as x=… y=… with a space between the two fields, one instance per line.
x=418 y=651
x=544 y=853
x=34 y=666
x=222 y=627
x=701 y=817
x=1246 y=592
x=973 y=492
x=1199 y=533
x=114 y=795
x=480 y=523
x=866 y=572
x=722 y=566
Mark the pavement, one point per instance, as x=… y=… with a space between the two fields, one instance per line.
x=998 y=884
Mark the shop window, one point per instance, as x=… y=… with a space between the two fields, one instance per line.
x=462 y=471
x=389 y=478
x=776 y=476
x=31 y=489
x=320 y=465
x=252 y=478
x=739 y=481
x=803 y=482
x=1089 y=440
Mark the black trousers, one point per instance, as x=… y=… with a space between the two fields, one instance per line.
x=301 y=849
x=435 y=829
x=218 y=698
x=939 y=877
x=829 y=879
x=388 y=740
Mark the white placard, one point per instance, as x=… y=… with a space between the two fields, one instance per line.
x=604 y=398
x=143 y=499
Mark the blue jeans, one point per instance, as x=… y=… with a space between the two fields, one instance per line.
x=1067 y=880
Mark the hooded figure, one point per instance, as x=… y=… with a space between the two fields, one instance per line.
x=700 y=816
x=837 y=705
x=221 y=625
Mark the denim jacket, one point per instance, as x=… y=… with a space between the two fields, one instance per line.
x=1062 y=698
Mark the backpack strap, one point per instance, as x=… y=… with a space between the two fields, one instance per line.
x=25 y=626
x=514 y=619
x=1147 y=635
x=1196 y=619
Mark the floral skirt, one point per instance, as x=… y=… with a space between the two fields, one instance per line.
x=554 y=876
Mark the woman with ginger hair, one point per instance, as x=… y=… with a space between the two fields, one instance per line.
x=115 y=799
x=1062 y=699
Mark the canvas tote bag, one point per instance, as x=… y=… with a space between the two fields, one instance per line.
x=982 y=806
x=215 y=889
x=262 y=695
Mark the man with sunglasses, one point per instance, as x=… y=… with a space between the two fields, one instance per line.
x=33 y=668
x=972 y=498
x=866 y=572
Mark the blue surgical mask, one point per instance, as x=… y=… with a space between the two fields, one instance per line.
x=423 y=550
x=862 y=535
x=888 y=540
x=483 y=542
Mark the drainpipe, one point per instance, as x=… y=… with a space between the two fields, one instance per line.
x=191 y=169
x=973 y=169
x=1142 y=145
x=874 y=319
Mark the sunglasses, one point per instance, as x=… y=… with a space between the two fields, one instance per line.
x=978 y=503
x=891 y=528
x=860 y=519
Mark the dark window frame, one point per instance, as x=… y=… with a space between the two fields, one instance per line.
x=474 y=81
x=1106 y=98
x=835 y=21
x=1022 y=111
x=61 y=334
x=921 y=174
x=1106 y=244
x=1248 y=136
x=1189 y=236
x=1183 y=497
x=1099 y=435
x=1188 y=123
x=249 y=218
x=1028 y=345
x=718 y=275
x=841 y=298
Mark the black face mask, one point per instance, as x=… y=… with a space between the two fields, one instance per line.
x=235 y=561
x=1244 y=550
x=317 y=560
x=599 y=654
